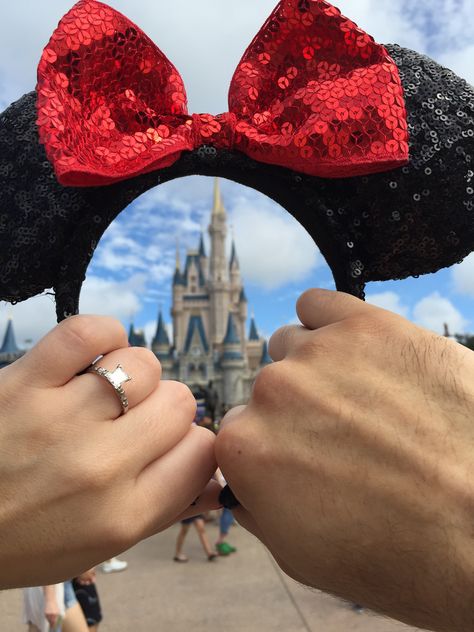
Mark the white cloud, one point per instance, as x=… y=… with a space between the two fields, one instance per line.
x=273 y=248
x=433 y=311
x=390 y=301
x=463 y=276
x=460 y=61
x=120 y=299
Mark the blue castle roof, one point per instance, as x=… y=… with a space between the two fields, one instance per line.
x=253 y=334
x=178 y=278
x=195 y=324
x=161 y=336
x=243 y=296
x=231 y=336
x=190 y=259
x=136 y=338
x=9 y=343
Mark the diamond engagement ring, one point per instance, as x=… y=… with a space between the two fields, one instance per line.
x=116 y=378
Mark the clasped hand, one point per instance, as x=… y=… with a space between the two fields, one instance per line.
x=352 y=461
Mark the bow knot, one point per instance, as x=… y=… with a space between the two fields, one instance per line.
x=218 y=131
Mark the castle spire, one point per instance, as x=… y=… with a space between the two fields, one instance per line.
x=253 y=334
x=202 y=249
x=231 y=336
x=178 y=262
x=234 y=260
x=9 y=342
x=218 y=206
x=161 y=336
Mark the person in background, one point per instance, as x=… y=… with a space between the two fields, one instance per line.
x=198 y=522
x=86 y=593
x=53 y=608
x=211 y=398
x=114 y=565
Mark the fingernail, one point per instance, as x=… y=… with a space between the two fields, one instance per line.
x=227 y=498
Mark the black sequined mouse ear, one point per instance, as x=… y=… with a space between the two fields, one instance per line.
x=409 y=221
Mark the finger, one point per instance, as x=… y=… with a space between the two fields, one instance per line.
x=70 y=348
x=168 y=486
x=208 y=500
x=99 y=395
x=156 y=425
x=287 y=339
x=318 y=308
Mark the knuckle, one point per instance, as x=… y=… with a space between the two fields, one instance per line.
x=149 y=360
x=319 y=344
x=184 y=399
x=96 y=475
x=270 y=381
x=231 y=443
x=375 y=324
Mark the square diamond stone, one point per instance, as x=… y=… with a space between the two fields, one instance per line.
x=119 y=377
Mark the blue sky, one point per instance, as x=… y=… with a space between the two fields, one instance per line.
x=131 y=271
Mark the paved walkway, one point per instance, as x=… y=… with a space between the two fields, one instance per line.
x=245 y=592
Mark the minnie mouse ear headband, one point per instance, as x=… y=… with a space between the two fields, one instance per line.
x=369 y=147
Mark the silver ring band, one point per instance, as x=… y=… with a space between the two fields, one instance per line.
x=115 y=378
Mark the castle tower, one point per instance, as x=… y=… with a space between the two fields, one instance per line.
x=177 y=309
x=218 y=271
x=9 y=351
x=203 y=258
x=233 y=365
x=161 y=343
x=209 y=312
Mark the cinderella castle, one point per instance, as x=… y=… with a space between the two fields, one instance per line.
x=209 y=313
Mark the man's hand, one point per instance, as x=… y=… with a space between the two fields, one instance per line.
x=354 y=461
x=80 y=483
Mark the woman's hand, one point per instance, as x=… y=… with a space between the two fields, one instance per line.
x=68 y=458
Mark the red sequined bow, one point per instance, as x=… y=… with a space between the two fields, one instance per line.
x=312 y=93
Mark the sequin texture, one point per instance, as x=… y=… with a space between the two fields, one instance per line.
x=313 y=93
